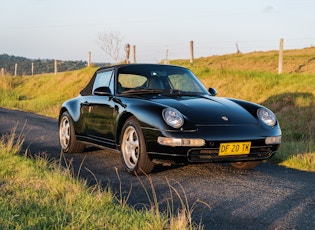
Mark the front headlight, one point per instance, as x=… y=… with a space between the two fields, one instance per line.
x=173 y=117
x=267 y=116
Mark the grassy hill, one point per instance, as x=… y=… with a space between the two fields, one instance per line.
x=291 y=95
x=294 y=61
x=24 y=65
x=251 y=76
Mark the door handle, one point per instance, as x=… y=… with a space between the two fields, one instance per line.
x=86 y=103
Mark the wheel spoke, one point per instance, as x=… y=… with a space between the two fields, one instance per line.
x=134 y=156
x=133 y=140
x=130 y=146
x=134 y=145
x=65 y=133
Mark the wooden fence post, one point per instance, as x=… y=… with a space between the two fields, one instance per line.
x=280 y=65
x=89 y=58
x=56 y=70
x=15 y=69
x=32 y=68
x=192 y=52
x=127 y=49
x=2 y=72
x=166 y=57
x=134 y=53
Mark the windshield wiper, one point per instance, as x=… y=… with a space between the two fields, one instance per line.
x=176 y=92
x=171 y=92
x=142 y=91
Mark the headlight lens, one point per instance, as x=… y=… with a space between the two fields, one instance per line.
x=266 y=116
x=173 y=117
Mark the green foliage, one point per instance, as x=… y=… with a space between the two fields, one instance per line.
x=40 y=66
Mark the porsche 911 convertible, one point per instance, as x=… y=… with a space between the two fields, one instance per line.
x=162 y=114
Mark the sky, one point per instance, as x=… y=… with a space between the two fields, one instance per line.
x=69 y=29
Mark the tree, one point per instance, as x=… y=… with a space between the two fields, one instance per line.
x=111 y=44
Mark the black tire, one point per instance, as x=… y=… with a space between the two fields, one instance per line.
x=133 y=149
x=245 y=164
x=67 y=137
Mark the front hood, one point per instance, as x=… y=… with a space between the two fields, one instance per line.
x=209 y=110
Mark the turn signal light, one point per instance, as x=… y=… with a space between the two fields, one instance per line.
x=273 y=140
x=169 y=141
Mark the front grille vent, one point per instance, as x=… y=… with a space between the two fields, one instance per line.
x=212 y=154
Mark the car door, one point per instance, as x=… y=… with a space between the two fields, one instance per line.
x=100 y=109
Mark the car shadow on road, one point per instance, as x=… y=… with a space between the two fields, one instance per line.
x=216 y=195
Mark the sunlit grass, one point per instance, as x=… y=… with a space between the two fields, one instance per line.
x=42 y=94
x=294 y=61
x=38 y=193
x=297 y=154
x=303 y=161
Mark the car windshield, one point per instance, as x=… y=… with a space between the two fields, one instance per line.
x=146 y=79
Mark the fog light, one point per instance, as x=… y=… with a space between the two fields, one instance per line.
x=273 y=140
x=180 y=142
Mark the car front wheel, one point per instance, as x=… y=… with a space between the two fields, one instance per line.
x=67 y=138
x=245 y=164
x=133 y=149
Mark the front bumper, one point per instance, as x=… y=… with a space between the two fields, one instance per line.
x=260 y=148
x=258 y=151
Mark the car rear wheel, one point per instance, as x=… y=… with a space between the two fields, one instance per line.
x=67 y=138
x=133 y=149
x=245 y=164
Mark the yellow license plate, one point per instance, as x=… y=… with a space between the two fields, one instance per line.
x=234 y=148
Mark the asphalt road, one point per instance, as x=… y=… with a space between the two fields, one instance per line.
x=219 y=196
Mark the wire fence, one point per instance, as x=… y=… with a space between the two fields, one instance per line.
x=55 y=66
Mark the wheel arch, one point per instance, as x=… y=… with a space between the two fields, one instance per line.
x=149 y=119
x=67 y=135
x=62 y=110
x=72 y=107
x=122 y=119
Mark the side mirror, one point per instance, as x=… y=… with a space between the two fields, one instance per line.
x=102 y=91
x=212 y=91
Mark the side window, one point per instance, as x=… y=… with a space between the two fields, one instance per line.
x=103 y=79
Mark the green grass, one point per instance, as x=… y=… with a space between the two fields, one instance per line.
x=250 y=77
x=42 y=94
x=40 y=194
